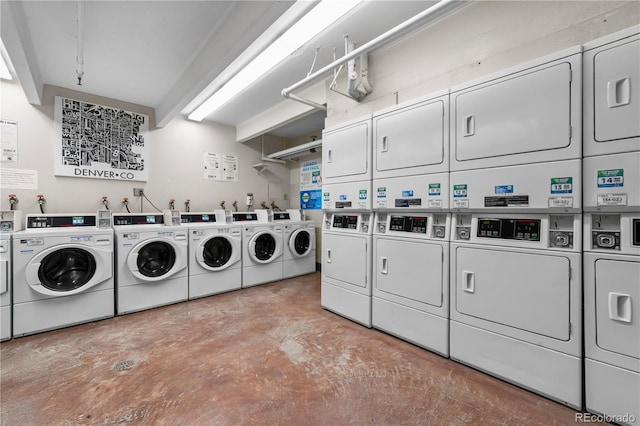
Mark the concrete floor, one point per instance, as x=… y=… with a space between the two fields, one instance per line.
x=264 y=355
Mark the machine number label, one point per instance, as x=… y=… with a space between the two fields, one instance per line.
x=612 y=199
x=460 y=204
x=460 y=191
x=435 y=204
x=326 y=196
x=563 y=185
x=610 y=178
x=434 y=189
x=382 y=192
x=561 y=202
x=503 y=189
x=362 y=194
x=382 y=204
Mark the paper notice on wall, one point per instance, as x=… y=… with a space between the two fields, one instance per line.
x=18 y=178
x=220 y=167
x=310 y=186
x=9 y=139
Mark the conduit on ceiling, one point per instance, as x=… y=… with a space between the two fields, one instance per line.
x=430 y=15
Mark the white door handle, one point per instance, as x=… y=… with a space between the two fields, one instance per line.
x=468 y=282
x=469 y=125
x=329 y=156
x=328 y=255
x=385 y=144
x=620 y=307
x=618 y=92
x=4 y=276
x=383 y=265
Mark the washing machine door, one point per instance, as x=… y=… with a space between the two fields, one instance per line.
x=218 y=252
x=156 y=259
x=300 y=243
x=265 y=246
x=69 y=269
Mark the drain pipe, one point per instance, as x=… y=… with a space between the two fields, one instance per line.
x=431 y=14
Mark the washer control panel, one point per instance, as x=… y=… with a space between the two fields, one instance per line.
x=509 y=229
x=60 y=221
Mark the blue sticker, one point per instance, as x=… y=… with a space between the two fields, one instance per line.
x=310 y=200
x=407 y=193
x=342 y=198
x=503 y=189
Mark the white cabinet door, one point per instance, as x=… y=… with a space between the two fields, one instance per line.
x=618 y=306
x=411 y=140
x=521 y=290
x=346 y=153
x=408 y=269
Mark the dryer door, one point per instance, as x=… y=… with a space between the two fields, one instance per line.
x=265 y=246
x=68 y=269
x=155 y=259
x=217 y=252
x=300 y=243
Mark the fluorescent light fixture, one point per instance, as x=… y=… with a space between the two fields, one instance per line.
x=309 y=26
x=297 y=151
x=4 y=63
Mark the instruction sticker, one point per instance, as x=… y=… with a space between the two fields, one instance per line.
x=362 y=194
x=460 y=191
x=382 y=192
x=503 y=189
x=434 y=189
x=563 y=185
x=610 y=178
x=407 y=193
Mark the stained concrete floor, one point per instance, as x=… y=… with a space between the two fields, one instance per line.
x=264 y=355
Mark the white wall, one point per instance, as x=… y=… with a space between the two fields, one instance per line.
x=175 y=169
x=482 y=38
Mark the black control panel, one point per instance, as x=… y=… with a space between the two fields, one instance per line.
x=142 y=219
x=281 y=216
x=510 y=229
x=345 y=222
x=245 y=217
x=408 y=224
x=636 y=232
x=197 y=218
x=60 y=221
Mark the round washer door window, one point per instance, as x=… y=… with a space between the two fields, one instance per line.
x=302 y=243
x=156 y=259
x=217 y=252
x=265 y=247
x=66 y=269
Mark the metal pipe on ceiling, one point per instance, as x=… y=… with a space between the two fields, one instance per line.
x=431 y=14
x=80 y=42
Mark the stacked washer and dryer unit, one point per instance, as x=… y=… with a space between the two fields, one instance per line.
x=63 y=272
x=346 y=282
x=516 y=262
x=611 y=172
x=10 y=222
x=411 y=230
x=215 y=253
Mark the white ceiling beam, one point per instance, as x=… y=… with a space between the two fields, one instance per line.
x=280 y=114
x=17 y=42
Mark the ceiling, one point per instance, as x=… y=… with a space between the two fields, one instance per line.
x=163 y=54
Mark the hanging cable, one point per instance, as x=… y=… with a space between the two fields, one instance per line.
x=152 y=205
x=105 y=203
x=80 y=42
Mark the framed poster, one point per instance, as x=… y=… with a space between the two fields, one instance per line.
x=100 y=142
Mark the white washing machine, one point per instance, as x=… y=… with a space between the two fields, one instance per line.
x=612 y=304
x=261 y=248
x=10 y=222
x=346 y=281
x=62 y=273
x=151 y=262
x=299 y=237
x=612 y=226
x=411 y=277
x=516 y=299
x=215 y=253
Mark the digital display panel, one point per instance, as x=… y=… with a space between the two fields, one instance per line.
x=416 y=224
x=345 y=222
x=509 y=229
